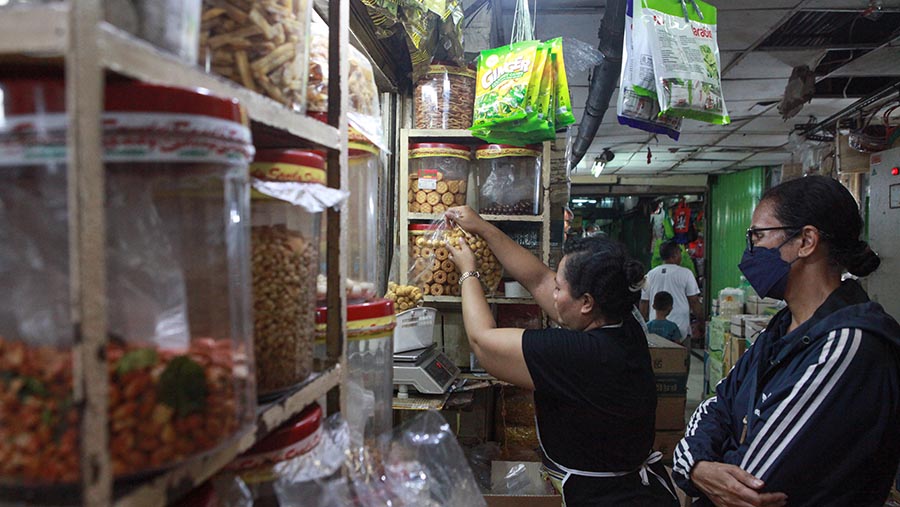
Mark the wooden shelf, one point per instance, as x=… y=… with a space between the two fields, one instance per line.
x=489 y=218
x=125 y=54
x=29 y=29
x=493 y=300
x=175 y=483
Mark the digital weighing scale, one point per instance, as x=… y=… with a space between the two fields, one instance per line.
x=427 y=370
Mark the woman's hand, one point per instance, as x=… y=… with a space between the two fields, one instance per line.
x=462 y=256
x=467 y=218
x=729 y=485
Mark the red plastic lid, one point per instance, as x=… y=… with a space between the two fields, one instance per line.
x=291 y=432
x=422 y=227
x=297 y=157
x=448 y=146
x=362 y=311
x=21 y=96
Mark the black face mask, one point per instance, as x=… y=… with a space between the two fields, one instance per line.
x=766 y=271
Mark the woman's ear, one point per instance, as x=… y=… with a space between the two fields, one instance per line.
x=811 y=241
x=587 y=304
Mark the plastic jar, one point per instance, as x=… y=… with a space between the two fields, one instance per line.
x=363 y=230
x=274 y=457
x=177 y=279
x=370 y=366
x=438 y=176
x=509 y=179
x=265 y=48
x=285 y=249
x=445 y=98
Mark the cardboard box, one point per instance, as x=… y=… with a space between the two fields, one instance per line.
x=670 y=412
x=519 y=484
x=665 y=443
x=668 y=358
x=734 y=348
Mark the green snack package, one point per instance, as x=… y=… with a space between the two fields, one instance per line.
x=686 y=60
x=501 y=88
x=564 y=116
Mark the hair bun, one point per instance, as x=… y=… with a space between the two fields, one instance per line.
x=860 y=260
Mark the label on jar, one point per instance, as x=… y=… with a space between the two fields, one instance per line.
x=256 y=466
x=280 y=171
x=130 y=137
x=428 y=179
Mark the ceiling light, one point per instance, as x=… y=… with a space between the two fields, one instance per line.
x=601 y=161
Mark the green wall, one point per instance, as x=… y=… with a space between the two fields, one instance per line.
x=732 y=200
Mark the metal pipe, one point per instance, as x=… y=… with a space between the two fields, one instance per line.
x=604 y=77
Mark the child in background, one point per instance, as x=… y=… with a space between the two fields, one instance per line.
x=662 y=304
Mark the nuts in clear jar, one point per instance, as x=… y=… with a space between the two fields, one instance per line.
x=283 y=306
x=164 y=406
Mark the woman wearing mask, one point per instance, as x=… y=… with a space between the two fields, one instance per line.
x=810 y=414
x=594 y=390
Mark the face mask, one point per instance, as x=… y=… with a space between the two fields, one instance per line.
x=766 y=271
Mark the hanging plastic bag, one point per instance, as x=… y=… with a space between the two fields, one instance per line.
x=685 y=59
x=443 y=273
x=633 y=109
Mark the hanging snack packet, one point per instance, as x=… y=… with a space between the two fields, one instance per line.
x=501 y=88
x=564 y=116
x=686 y=59
x=633 y=109
x=640 y=64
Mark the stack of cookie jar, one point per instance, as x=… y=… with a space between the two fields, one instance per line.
x=438 y=176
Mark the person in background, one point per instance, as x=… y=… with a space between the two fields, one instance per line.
x=810 y=414
x=680 y=283
x=594 y=389
x=662 y=304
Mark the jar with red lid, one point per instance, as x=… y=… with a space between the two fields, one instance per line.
x=179 y=356
x=370 y=375
x=509 y=179
x=280 y=452
x=438 y=176
x=285 y=237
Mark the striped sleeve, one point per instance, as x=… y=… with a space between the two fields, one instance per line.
x=794 y=417
x=709 y=428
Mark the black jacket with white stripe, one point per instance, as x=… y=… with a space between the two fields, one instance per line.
x=822 y=408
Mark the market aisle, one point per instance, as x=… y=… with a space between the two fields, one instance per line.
x=694 y=387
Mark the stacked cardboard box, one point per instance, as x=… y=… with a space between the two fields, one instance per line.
x=756 y=305
x=670 y=366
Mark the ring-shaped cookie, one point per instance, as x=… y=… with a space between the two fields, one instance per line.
x=440 y=277
x=441 y=253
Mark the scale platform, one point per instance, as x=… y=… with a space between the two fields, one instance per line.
x=427 y=370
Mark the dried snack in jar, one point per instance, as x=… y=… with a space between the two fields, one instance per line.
x=260 y=45
x=444 y=98
x=283 y=306
x=164 y=406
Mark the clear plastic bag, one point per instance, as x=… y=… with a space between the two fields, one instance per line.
x=411 y=294
x=444 y=275
x=637 y=106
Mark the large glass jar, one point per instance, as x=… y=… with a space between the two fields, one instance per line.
x=445 y=98
x=363 y=221
x=370 y=366
x=179 y=358
x=261 y=45
x=509 y=179
x=285 y=241
x=438 y=176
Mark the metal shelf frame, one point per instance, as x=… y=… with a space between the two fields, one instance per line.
x=76 y=31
